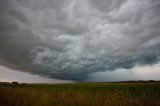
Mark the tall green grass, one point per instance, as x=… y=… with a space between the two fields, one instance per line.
x=94 y=94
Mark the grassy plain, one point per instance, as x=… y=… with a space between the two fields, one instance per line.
x=81 y=94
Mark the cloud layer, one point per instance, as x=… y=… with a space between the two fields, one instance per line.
x=68 y=39
x=139 y=72
x=9 y=75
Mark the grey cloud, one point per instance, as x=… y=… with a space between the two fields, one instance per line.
x=139 y=72
x=68 y=39
x=107 y=5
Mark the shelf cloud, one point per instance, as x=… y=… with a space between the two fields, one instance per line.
x=69 y=39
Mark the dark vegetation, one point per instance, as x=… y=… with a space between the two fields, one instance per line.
x=81 y=94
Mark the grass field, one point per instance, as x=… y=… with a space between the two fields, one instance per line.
x=81 y=94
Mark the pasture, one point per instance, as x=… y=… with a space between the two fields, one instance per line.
x=81 y=94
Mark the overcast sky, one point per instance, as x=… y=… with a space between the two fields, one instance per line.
x=80 y=40
x=10 y=75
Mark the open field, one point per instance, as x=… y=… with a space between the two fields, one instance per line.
x=81 y=94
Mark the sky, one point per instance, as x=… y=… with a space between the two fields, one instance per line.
x=79 y=40
x=10 y=75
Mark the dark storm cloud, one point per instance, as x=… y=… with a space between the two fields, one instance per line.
x=67 y=39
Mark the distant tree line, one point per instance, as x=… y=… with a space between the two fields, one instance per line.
x=12 y=83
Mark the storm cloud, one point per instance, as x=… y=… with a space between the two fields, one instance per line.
x=68 y=39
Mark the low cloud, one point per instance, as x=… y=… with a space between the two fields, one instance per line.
x=68 y=39
x=140 y=72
